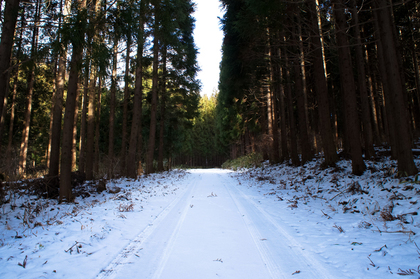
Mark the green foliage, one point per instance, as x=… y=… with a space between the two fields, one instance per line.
x=248 y=161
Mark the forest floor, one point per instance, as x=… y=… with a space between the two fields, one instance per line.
x=267 y=222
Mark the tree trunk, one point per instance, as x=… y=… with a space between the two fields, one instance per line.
x=82 y=140
x=97 y=125
x=67 y=146
x=90 y=141
x=138 y=100
x=57 y=114
x=397 y=91
x=31 y=79
x=290 y=109
x=112 y=111
x=74 y=149
x=155 y=79
x=15 y=85
x=11 y=10
x=361 y=82
x=273 y=92
x=162 y=111
x=123 y=152
x=328 y=144
x=348 y=90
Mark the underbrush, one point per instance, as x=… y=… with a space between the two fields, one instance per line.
x=247 y=161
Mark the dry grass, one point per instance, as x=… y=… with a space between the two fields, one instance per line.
x=126 y=207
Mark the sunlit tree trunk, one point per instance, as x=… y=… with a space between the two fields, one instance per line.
x=112 y=111
x=67 y=142
x=153 y=106
x=162 y=111
x=123 y=152
x=54 y=163
x=28 y=110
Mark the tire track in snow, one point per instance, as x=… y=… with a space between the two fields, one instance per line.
x=170 y=244
x=264 y=251
x=134 y=246
x=290 y=246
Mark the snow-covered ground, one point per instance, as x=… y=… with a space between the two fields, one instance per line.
x=269 y=222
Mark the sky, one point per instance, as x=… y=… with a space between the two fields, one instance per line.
x=208 y=38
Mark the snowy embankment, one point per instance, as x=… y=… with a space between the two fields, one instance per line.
x=268 y=222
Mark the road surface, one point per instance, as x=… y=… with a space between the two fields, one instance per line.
x=214 y=230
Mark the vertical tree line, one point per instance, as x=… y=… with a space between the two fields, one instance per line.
x=106 y=75
x=337 y=77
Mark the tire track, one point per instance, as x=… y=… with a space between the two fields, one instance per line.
x=264 y=251
x=292 y=249
x=170 y=244
x=134 y=246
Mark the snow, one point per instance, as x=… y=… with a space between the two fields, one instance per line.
x=275 y=221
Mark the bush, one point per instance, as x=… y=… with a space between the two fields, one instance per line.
x=247 y=161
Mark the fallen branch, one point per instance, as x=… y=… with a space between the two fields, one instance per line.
x=400 y=231
x=24 y=262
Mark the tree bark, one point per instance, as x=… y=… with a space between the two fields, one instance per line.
x=348 y=88
x=138 y=104
x=153 y=108
x=97 y=126
x=112 y=111
x=160 y=166
x=362 y=86
x=397 y=91
x=57 y=115
x=67 y=146
x=90 y=141
x=328 y=144
x=123 y=152
x=28 y=110
x=11 y=10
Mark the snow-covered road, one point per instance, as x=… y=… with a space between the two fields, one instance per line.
x=214 y=230
x=269 y=222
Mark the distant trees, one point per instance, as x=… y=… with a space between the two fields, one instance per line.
x=331 y=76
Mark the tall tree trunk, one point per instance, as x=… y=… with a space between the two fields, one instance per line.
x=300 y=93
x=11 y=10
x=97 y=126
x=15 y=85
x=362 y=86
x=327 y=137
x=67 y=142
x=290 y=109
x=83 y=121
x=28 y=110
x=273 y=92
x=90 y=141
x=123 y=152
x=348 y=88
x=397 y=91
x=76 y=117
x=153 y=106
x=112 y=111
x=162 y=111
x=57 y=114
x=138 y=101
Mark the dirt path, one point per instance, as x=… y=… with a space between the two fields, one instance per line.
x=214 y=230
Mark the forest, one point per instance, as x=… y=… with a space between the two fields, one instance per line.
x=338 y=77
x=99 y=89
